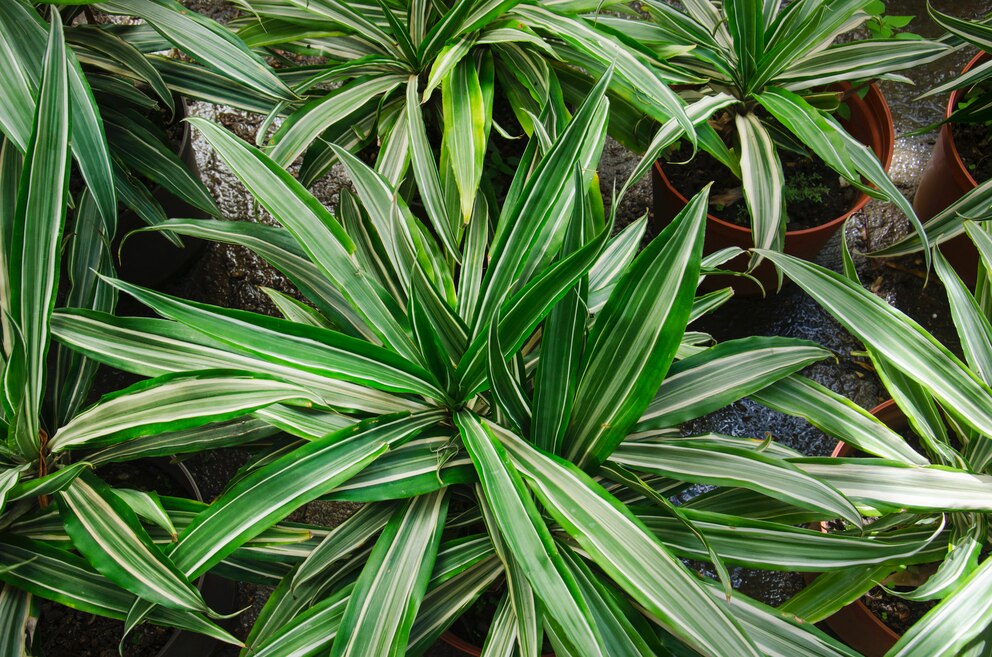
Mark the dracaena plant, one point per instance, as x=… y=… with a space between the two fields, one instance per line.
x=778 y=60
x=976 y=104
x=97 y=556
x=122 y=95
x=461 y=59
x=504 y=402
x=946 y=480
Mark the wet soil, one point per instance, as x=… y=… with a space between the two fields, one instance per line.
x=814 y=193
x=898 y=614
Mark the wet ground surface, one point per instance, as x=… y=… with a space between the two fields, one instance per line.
x=232 y=277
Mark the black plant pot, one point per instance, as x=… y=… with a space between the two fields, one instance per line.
x=149 y=259
x=217 y=591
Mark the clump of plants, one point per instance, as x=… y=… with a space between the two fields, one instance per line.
x=504 y=404
x=782 y=64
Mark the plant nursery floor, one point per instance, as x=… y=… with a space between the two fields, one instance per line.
x=232 y=277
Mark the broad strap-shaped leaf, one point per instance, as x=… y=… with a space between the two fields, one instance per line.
x=903 y=342
x=175 y=402
x=723 y=374
x=316 y=231
x=123 y=57
x=387 y=594
x=152 y=347
x=308 y=122
x=140 y=145
x=776 y=546
x=527 y=537
x=746 y=25
x=626 y=551
x=37 y=235
x=832 y=591
x=889 y=486
x=55 y=574
x=108 y=533
x=780 y=635
x=24 y=32
x=634 y=340
x=418 y=467
x=425 y=171
x=946 y=224
x=836 y=416
x=727 y=465
x=343 y=539
x=764 y=183
x=207 y=41
x=278 y=248
x=948 y=628
x=972 y=325
x=308 y=633
x=296 y=345
x=533 y=225
x=15 y=611
x=466 y=119
x=270 y=493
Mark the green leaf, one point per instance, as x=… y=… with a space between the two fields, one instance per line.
x=107 y=532
x=465 y=123
x=532 y=226
x=723 y=374
x=46 y=571
x=633 y=342
x=526 y=535
x=26 y=54
x=307 y=123
x=268 y=494
x=948 y=628
x=174 y=402
x=207 y=41
x=628 y=553
x=15 y=612
x=386 y=597
x=298 y=346
x=316 y=231
x=425 y=171
x=764 y=184
x=37 y=235
x=155 y=347
x=735 y=467
x=836 y=416
x=903 y=342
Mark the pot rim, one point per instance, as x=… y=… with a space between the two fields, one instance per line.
x=947 y=127
x=886 y=129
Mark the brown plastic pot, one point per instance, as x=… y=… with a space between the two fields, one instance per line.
x=870 y=123
x=459 y=643
x=150 y=259
x=945 y=180
x=854 y=624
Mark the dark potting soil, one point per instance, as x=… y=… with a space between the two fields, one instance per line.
x=473 y=626
x=898 y=614
x=814 y=193
x=972 y=141
x=66 y=632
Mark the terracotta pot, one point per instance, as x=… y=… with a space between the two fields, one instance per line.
x=870 y=123
x=148 y=258
x=854 y=624
x=459 y=643
x=945 y=180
